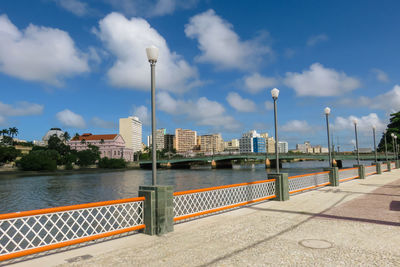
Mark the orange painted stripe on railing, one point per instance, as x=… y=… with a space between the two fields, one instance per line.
x=370 y=166
x=342 y=170
x=307 y=174
x=222 y=208
x=65 y=208
x=307 y=188
x=220 y=187
x=346 y=179
x=68 y=243
x=371 y=173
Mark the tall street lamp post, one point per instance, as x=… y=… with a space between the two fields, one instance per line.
x=392 y=135
x=355 y=130
x=376 y=153
x=384 y=135
x=275 y=94
x=152 y=55
x=327 y=112
x=396 y=151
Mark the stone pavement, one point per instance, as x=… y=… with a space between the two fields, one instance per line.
x=356 y=224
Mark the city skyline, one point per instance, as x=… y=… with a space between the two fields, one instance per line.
x=65 y=64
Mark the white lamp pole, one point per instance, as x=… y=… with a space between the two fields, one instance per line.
x=355 y=130
x=327 y=112
x=152 y=55
x=384 y=135
x=396 y=148
x=376 y=153
x=275 y=94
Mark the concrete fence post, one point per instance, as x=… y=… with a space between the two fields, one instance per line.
x=161 y=211
x=149 y=211
x=281 y=185
x=333 y=175
x=397 y=164
x=389 y=167
x=361 y=171
x=378 y=167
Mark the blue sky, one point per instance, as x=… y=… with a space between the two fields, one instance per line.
x=81 y=65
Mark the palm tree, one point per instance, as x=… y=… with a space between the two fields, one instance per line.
x=66 y=136
x=4 y=132
x=13 y=131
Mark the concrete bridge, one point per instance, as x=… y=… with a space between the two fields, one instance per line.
x=225 y=161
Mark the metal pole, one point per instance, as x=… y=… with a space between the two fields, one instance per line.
x=385 y=147
x=376 y=153
x=393 y=147
x=276 y=137
x=329 y=140
x=153 y=123
x=358 y=154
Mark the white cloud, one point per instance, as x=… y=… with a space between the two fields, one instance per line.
x=313 y=40
x=221 y=46
x=97 y=122
x=150 y=8
x=364 y=123
x=381 y=75
x=297 y=126
x=127 y=41
x=256 y=82
x=320 y=81
x=269 y=105
x=20 y=109
x=39 y=53
x=70 y=119
x=239 y=103
x=143 y=114
x=74 y=6
x=202 y=111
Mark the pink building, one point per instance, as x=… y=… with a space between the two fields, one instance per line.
x=111 y=146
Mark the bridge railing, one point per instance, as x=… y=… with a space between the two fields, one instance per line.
x=29 y=232
x=384 y=167
x=194 y=203
x=392 y=165
x=348 y=174
x=308 y=181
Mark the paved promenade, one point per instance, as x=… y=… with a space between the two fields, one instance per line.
x=356 y=224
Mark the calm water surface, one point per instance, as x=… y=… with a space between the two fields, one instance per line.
x=37 y=192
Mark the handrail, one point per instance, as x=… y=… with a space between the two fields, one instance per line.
x=347 y=169
x=307 y=174
x=220 y=187
x=65 y=208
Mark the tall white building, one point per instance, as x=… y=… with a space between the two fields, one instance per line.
x=246 y=142
x=283 y=147
x=131 y=130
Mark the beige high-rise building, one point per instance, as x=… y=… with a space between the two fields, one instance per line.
x=185 y=140
x=232 y=145
x=211 y=143
x=270 y=145
x=131 y=130
x=160 y=142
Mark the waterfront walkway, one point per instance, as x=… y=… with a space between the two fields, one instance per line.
x=356 y=224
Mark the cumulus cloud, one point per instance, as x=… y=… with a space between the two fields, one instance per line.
x=70 y=119
x=364 y=123
x=297 y=126
x=39 y=53
x=74 y=6
x=97 y=122
x=269 y=105
x=221 y=45
x=239 y=103
x=127 y=41
x=150 y=8
x=381 y=75
x=255 y=83
x=22 y=108
x=142 y=113
x=315 y=39
x=320 y=81
x=203 y=112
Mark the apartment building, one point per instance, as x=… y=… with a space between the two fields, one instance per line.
x=131 y=131
x=211 y=143
x=185 y=140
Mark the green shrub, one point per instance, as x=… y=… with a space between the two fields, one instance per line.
x=107 y=163
x=38 y=161
x=8 y=153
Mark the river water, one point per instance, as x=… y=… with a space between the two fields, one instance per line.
x=20 y=193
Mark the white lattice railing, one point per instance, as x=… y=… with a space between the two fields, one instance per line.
x=392 y=165
x=370 y=170
x=28 y=232
x=384 y=167
x=348 y=174
x=304 y=182
x=199 y=202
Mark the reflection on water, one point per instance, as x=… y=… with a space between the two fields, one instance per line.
x=38 y=192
